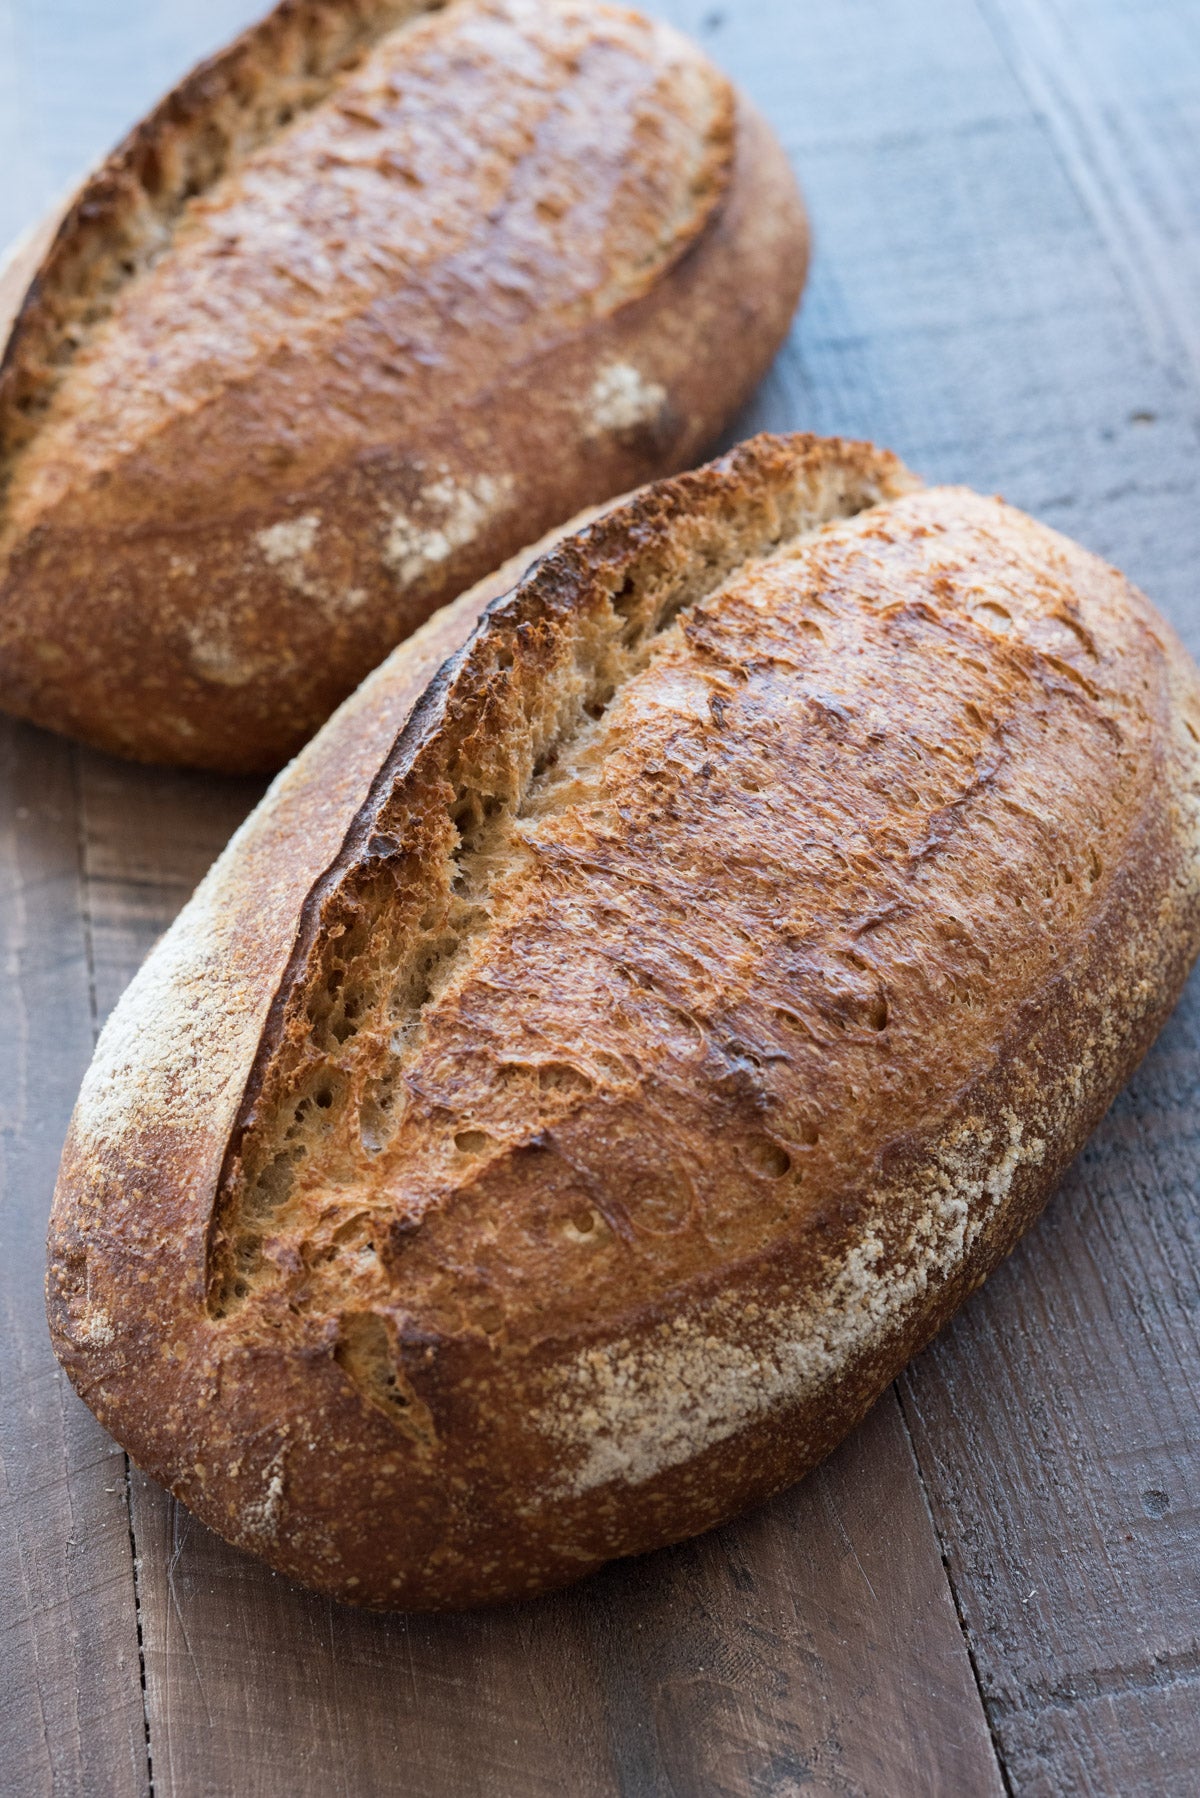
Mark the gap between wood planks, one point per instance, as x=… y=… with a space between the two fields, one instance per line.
x=85 y=916
x=952 y=1585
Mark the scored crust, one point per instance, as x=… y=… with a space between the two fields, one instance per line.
x=377 y=295
x=607 y=1056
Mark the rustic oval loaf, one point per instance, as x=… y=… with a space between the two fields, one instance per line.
x=630 y=1029
x=375 y=297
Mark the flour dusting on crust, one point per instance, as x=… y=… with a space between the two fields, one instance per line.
x=621 y=398
x=631 y=1410
x=454 y=513
x=261 y=1519
x=286 y=547
x=288 y=542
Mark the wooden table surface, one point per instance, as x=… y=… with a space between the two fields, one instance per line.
x=995 y=1584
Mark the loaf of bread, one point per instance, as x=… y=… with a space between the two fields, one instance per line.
x=630 y=1029
x=378 y=295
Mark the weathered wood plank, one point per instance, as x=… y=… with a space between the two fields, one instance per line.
x=811 y=1646
x=71 y=1720
x=260 y=1690
x=1117 y=88
x=148 y=837
x=1056 y=1421
x=813 y=1643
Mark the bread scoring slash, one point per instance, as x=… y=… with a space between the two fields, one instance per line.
x=378 y=295
x=630 y=1029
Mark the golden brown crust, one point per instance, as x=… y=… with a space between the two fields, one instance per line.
x=605 y=1058
x=518 y=258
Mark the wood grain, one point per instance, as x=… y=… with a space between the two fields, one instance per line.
x=811 y=1646
x=1006 y=290
x=71 y=1721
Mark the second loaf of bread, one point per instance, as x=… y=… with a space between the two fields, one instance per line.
x=381 y=293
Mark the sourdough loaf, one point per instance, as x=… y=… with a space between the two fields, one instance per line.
x=630 y=1029
x=373 y=298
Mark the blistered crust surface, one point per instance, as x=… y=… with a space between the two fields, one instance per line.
x=484 y=165
x=503 y=260
x=743 y=931
x=733 y=918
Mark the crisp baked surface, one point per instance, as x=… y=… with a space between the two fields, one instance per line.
x=343 y=326
x=475 y=142
x=597 y=1067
